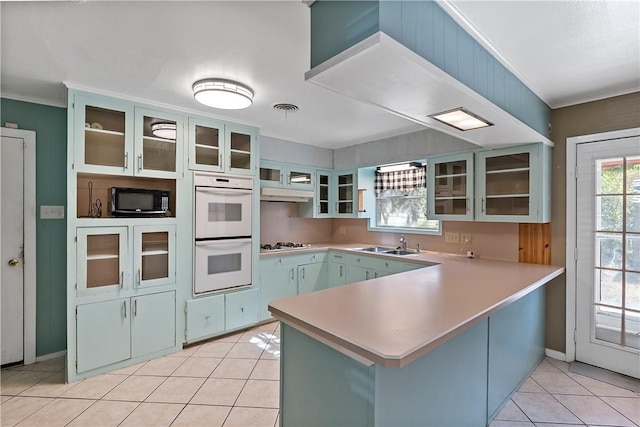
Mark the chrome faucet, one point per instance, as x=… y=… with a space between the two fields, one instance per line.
x=403 y=243
x=418 y=247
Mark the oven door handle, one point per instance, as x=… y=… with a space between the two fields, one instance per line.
x=225 y=243
x=224 y=191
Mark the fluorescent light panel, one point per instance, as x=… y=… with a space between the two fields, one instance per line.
x=399 y=167
x=461 y=119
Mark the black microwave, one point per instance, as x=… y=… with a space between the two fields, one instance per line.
x=139 y=202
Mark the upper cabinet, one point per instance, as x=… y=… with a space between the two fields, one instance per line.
x=513 y=184
x=346 y=187
x=221 y=147
x=450 y=196
x=114 y=137
x=275 y=174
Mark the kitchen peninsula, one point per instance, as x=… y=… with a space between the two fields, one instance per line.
x=408 y=348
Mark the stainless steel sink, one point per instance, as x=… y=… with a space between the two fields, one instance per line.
x=376 y=249
x=400 y=252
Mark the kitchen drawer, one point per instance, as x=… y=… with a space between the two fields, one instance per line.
x=205 y=316
x=241 y=309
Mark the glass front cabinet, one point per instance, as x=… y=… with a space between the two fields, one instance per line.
x=513 y=184
x=450 y=193
x=275 y=174
x=107 y=256
x=346 y=187
x=217 y=146
x=114 y=137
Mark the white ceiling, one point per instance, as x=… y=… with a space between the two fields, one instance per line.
x=566 y=51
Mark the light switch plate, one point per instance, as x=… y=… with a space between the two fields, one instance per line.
x=51 y=212
x=465 y=237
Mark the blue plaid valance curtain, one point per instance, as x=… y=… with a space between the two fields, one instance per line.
x=404 y=180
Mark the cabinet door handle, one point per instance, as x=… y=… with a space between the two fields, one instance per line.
x=302 y=273
x=139 y=277
x=122 y=280
x=242 y=309
x=366 y=274
x=292 y=275
x=126 y=160
x=375 y=275
x=220 y=160
x=338 y=256
x=468 y=205
x=139 y=162
x=482 y=206
x=135 y=307
x=340 y=271
x=124 y=304
x=313 y=257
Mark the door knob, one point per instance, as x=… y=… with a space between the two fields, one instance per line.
x=13 y=262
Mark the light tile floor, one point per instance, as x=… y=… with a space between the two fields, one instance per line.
x=234 y=381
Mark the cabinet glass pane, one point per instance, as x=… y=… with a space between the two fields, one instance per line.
x=269 y=174
x=345 y=207
x=240 y=142
x=299 y=178
x=324 y=179
x=513 y=161
x=159 y=144
x=451 y=186
x=507 y=183
x=345 y=192
x=450 y=168
x=207 y=146
x=155 y=255
x=324 y=207
x=324 y=192
x=345 y=179
x=104 y=137
x=507 y=206
x=451 y=206
x=240 y=160
x=103 y=260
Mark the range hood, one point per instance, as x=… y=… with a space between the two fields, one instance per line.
x=273 y=194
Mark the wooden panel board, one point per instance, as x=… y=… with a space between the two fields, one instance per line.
x=534 y=243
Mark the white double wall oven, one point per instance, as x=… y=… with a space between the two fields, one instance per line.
x=222 y=251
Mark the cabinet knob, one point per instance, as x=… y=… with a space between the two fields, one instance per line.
x=207 y=317
x=13 y=262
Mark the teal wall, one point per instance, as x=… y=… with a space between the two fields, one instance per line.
x=426 y=29
x=50 y=125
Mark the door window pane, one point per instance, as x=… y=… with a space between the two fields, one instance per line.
x=609 y=250
x=608 y=325
x=632 y=252
x=609 y=213
x=632 y=296
x=609 y=176
x=609 y=287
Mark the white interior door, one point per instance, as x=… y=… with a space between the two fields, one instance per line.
x=608 y=255
x=12 y=249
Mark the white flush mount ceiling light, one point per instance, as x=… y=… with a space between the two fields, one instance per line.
x=461 y=119
x=164 y=130
x=221 y=93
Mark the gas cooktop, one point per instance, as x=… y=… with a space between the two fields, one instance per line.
x=282 y=246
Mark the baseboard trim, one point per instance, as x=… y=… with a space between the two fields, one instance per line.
x=51 y=356
x=554 y=354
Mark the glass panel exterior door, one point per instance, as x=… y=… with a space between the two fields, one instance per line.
x=608 y=267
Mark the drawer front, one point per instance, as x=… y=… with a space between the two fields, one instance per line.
x=205 y=316
x=241 y=309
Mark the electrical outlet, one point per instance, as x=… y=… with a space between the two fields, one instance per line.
x=51 y=212
x=465 y=237
x=452 y=237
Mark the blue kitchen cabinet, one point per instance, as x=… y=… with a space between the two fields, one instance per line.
x=217 y=146
x=346 y=199
x=356 y=273
x=103 y=334
x=154 y=255
x=240 y=309
x=112 y=331
x=312 y=277
x=514 y=184
x=204 y=317
x=450 y=194
x=283 y=175
x=337 y=274
x=323 y=203
x=103 y=135
x=158 y=143
x=153 y=323
x=278 y=279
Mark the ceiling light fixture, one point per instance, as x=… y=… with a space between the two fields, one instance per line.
x=164 y=130
x=398 y=167
x=461 y=119
x=221 y=93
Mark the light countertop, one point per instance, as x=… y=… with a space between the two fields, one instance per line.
x=395 y=319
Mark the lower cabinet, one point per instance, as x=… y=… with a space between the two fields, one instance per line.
x=112 y=331
x=312 y=277
x=278 y=279
x=337 y=274
x=215 y=314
